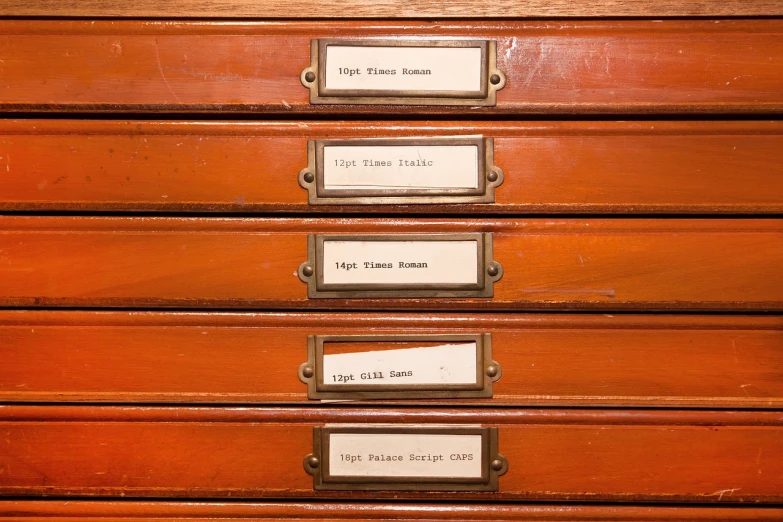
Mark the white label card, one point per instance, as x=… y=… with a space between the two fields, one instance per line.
x=405 y=455
x=444 y=364
x=401 y=167
x=389 y=69
x=400 y=262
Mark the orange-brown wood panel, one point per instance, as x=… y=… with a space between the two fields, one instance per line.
x=389 y=8
x=706 y=264
x=549 y=167
x=721 y=66
x=555 y=360
x=692 y=456
x=72 y=511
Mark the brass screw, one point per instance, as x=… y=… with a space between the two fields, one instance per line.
x=313 y=462
x=307 y=371
x=492 y=371
x=307 y=271
x=310 y=77
x=492 y=176
x=309 y=177
x=497 y=465
x=494 y=79
x=493 y=270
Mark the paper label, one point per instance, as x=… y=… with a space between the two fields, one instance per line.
x=400 y=262
x=444 y=364
x=432 y=69
x=405 y=455
x=401 y=167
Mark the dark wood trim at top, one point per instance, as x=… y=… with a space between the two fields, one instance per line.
x=402 y=9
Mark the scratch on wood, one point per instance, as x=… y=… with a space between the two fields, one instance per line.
x=542 y=58
x=162 y=75
x=722 y=492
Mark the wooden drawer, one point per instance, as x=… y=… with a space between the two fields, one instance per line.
x=640 y=67
x=72 y=511
x=553 y=360
x=249 y=263
x=548 y=167
x=576 y=455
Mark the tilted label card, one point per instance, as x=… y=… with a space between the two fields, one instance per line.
x=444 y=364
x=399 y=366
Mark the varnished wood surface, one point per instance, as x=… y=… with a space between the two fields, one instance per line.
x=390 y=8
x=576 y=455
x=564 y=264
x=72 y=511
x=549 y=167
x=555 y=360
x=582 y=67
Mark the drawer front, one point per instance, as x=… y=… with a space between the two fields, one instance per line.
x=624 y=360
x=727 y=66
x=72 y=511
x=697 y=456
x=530 y=264
x=548 y=167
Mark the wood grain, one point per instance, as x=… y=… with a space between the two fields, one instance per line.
x=72 y=511
x=549 y=167
x=565 y=264
x=583 y=67
x=390 y=8
x=576 y=455
x=553 y=360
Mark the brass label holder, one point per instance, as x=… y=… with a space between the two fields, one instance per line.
x=492 y=463
x=489 y=176
x=312 y=371
x=488 y=270
x=314 y=76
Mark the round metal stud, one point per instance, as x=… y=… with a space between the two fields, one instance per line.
x=496 y=465
x=310 y=77
x=307 y=271
x=494 y=79
x=308 y=372
x=493 y=270
x=313 y=462
x=492 y=176
x=309 y=177
x=492 y=371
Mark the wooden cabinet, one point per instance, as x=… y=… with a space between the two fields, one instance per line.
x=581 y=301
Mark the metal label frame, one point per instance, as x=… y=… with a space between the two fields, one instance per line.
x=493 y=464
x=489 y=176
x=311 y=271
x=487 y=371
x=314 y=76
